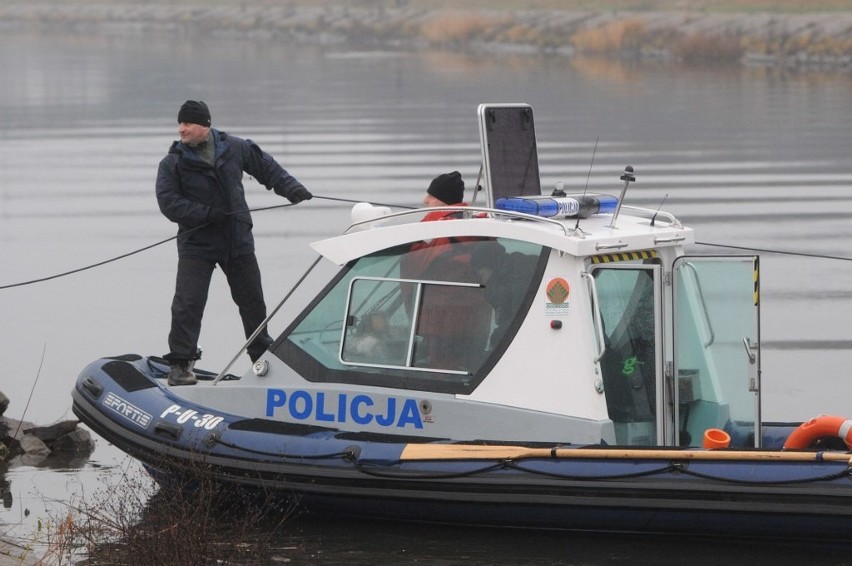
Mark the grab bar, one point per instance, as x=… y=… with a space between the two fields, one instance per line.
x=596 y=311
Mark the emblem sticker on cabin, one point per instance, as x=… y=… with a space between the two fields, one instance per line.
x=557 y=297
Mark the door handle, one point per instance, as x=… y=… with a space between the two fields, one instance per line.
x=752 y=357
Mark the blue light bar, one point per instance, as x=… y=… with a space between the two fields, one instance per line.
x=581 y=206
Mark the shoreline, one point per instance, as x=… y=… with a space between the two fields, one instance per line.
x=790 y=40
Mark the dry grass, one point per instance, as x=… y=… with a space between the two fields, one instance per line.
x=133 y=522
x=617 y=28
x=630 y=35
x=721 y=6
x=614 y=37
x=454 y=28
x=704 y=48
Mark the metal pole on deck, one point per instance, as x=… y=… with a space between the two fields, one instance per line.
x=627 y=177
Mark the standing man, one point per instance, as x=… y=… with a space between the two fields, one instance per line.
x=199 y=187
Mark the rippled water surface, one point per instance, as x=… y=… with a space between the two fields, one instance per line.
x=748 y=157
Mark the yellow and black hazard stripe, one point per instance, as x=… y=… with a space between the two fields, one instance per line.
x=624 y=256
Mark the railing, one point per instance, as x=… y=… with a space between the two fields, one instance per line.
x=468 y=212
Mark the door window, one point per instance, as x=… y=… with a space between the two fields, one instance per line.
x=716 y=360
x=628 y=299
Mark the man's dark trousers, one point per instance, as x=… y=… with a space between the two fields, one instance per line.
x=191 y=289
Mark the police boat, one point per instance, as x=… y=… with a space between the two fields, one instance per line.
x=551 y=361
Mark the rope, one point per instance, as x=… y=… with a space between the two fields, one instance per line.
x=106 y=261
x=100 y=263
x=826 y=478
x=161 y=242
x=511 y=464
x=282 y=455
x=391 y=471
x=380 y=471
x=353 y=201
x=783 y=252
x=601 y=477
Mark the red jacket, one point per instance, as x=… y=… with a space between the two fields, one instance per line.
x=455 y=322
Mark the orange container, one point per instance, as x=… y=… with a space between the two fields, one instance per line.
x=716 y=438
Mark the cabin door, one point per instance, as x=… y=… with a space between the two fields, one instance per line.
x=716 y=354
x=630 y=304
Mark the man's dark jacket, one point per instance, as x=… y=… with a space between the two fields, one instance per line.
x=188 y=188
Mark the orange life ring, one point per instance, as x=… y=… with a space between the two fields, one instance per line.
x=819 y=427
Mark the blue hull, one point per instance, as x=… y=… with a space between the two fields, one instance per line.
x=124 y=400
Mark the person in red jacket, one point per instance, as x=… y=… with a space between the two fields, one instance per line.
x=453 y=322
x=444 y=190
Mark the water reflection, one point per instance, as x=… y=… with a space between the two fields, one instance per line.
x=308 y=540
x=7 y=493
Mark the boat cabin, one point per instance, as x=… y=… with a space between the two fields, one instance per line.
x=570 y=319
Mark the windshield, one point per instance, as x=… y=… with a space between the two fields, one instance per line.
x=430 y=315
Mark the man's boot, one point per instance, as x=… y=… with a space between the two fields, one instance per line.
x=181 y=373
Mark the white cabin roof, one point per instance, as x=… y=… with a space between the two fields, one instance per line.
x=591 y=236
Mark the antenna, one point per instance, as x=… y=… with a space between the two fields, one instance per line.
x=594 y=151
x=654 y=218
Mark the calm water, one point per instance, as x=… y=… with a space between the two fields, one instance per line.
x=748 y=157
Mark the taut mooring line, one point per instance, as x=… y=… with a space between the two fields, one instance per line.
x=154 y=245
x=134 y=252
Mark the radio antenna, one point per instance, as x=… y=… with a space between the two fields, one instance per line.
x=654 y=218
x=594 y=151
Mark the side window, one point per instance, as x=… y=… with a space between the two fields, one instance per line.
x=429 y=316
x=377 y=330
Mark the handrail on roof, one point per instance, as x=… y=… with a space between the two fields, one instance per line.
x=466 y=209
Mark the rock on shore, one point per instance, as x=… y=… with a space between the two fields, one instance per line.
x=23 y=443
x=823 y=38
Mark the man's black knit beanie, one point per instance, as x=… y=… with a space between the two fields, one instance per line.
x=194 y=112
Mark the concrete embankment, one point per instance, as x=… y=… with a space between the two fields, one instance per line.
x=790 y=39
